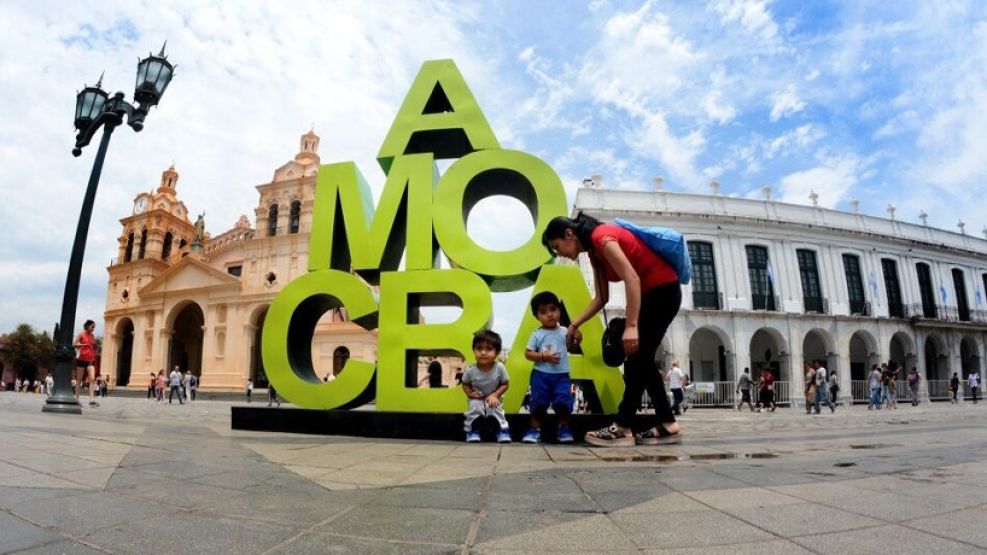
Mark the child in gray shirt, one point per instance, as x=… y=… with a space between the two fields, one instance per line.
x=485 y=384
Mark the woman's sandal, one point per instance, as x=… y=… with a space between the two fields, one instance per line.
x=657 y=436
x=611 y=436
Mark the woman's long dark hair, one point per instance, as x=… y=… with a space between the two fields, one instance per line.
x=582 y=227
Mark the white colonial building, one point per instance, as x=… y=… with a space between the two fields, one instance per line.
x=776 y=284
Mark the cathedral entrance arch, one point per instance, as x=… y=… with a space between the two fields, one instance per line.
x=969 y=359
x=936 y=360
x=707 y=355
x=185 y=350
x=863 y=353
x=902 y=351
x=767 y=350
x=125 y=350
x=257 y=373
x=818 y=346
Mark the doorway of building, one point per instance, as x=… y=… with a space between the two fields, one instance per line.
x=186 y=340
x=125 y=350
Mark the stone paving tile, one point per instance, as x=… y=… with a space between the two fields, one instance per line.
x=746 y=499
x=297 y=509
x=895 y=508
x=672 y=502
x=549 y=531
x=61 y=548
x=409 y=524
x=194 y=534
x=795 y=519
x=966 y=525
x=779 y=547
x=878 y=540
x=13 y=496
x=81 y=514
x=332 y=543
x=687 y=529
x=16 y=534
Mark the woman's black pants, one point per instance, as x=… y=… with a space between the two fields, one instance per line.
x=659 y=305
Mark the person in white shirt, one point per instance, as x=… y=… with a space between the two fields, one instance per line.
x=676 y=381
x=175 y=380
x=822 y=390
x=974 y=381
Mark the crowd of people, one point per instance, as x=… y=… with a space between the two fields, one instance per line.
x=182 y=385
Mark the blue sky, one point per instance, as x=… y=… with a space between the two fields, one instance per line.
x=879 y=101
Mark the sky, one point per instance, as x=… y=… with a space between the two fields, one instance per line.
x=879 y=101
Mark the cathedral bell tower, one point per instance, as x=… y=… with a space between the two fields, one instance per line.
x=155 y=235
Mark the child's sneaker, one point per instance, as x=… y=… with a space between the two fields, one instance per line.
x=504 y=436
x=533 y=436
x=472 y=437
x=565 y=435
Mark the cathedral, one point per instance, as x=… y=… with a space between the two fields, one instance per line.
x=178 y=296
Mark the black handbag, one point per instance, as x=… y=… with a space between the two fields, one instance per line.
x=613 y=342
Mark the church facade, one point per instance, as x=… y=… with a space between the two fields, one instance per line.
x=178 y=296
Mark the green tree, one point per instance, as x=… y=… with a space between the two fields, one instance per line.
x=27 y=350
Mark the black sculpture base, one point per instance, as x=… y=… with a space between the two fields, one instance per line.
x=404 y=425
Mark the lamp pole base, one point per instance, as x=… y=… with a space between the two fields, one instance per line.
x=63 y=406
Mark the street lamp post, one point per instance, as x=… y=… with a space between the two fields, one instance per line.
x=95 y=109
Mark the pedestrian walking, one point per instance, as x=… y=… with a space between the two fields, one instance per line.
x=766 y=399
x=892 y=385
x=159 y=383
x=822 y=389
x=810 y=386
x=954 y=387
x=913 y=379
x=85 y=360
x=974 y=381
x=875 y=388
x=834 y=387
x=250 y=389
x=676 y=381
x=744 y=389
x=175 y=380
x=272 y=396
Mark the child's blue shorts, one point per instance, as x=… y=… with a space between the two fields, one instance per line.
x=551 y=390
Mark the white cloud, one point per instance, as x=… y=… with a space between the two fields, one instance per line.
x=798 y=138
x=831 y=180
x=717 y=109
x=753 y=16
x=785 y=103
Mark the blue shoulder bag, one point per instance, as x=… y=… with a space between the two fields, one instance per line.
x=666 y=243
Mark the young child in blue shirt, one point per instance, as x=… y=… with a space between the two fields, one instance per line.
x=550 y=383
x=485 y=384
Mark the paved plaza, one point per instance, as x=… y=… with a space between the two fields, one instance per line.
x=134 y=476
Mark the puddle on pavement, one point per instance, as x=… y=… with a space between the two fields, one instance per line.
x=873 y=446
x=680 y=458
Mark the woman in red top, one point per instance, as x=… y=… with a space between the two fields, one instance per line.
x=85 y=361
x=653 y=297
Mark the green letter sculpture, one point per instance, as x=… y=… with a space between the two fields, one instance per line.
x=438 y=119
